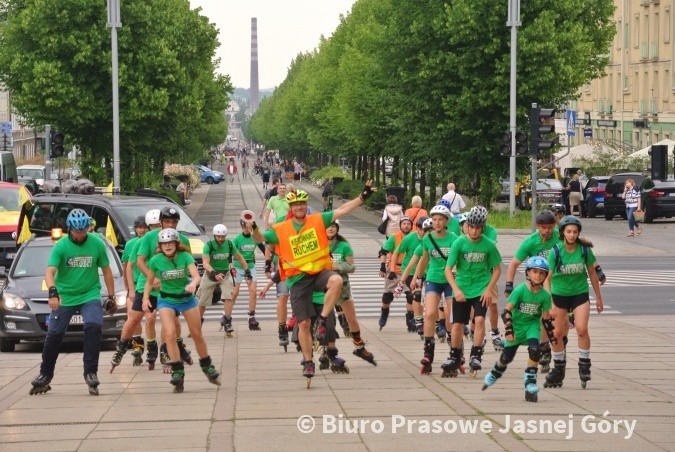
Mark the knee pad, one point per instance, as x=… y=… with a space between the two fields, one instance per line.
x=417 y=296
x=535 y=353
x=507 y=355
x=408 y=297
x=387 y=298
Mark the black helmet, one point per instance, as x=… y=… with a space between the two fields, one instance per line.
x=420 y=222
x=139 y=222
x=169 y=213
x=566 y=221
x=545 y=217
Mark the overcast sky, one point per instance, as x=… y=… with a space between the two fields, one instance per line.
x=285 y=28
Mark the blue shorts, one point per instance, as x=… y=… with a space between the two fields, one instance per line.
x=282 y=289
x=240 y=274
x=439 y=288
x=178 y=306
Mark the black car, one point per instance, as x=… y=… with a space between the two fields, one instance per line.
x=658 y=199
x=24 y=311
x=594 y=195
x=614 y=202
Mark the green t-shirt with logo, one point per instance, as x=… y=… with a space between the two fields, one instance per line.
x=219 y=255
x=436 y=265
x=246 y=246
x=173 y=274
x=570 y=278
x=340 y=251
x=528 y=308
x=77 y=267
x=474 y=262
x=534 y=246
x=147 y=246
x=407 y=249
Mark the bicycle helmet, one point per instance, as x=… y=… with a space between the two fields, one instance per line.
x=139 y=222
x=297 y=196
x=477 y=216
x=168 y=235
x=152 y=217
x=566 y=221
x=405 y=218
x=558 y=208
x=428 y=224
x=220 y=229
x=444 y=202
x=420 y=222
x=536 y=262
x=440 y=209
x=78 y=220
x=169 y=213
x=545 y=217
x=461 y=218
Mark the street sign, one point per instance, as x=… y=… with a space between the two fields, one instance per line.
x=571 y=122
x=5 y=128
x=588 y=132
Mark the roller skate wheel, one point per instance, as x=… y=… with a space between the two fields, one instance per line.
x=449 y=374
x=531 y=397
x=93 y=390
x=544 y=369
x=425 y=370
x=112 y=369
x=309 y=382
x=215 y=381
x=138 y=361
x=286 y=348
x=583 y=385
x=39 y=390
x=462 y=370
x=486 y=386
x=473 y=373
x=178 y=389
x=339 y=370
x=151 y=366
x=228 y=334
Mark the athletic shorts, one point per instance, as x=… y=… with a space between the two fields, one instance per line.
x=302 y=291
x=570 y=303
x=439 y=288
x=282 y=289
x=240 y=275
x=461 y=311
x=346 y=293
x=138 y=302
x=178 y=307
x=207 y=287
x=391 y=284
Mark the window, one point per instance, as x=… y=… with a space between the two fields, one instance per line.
x=666 y=24
x=636 y=31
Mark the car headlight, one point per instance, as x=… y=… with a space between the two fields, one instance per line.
x=12 y=301
x=121 y=299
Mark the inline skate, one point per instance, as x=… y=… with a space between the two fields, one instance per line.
x=428 y=358
x=492 y=376
x=584 y=371
x=441 y=331
x=226 y=325
x=92 y=383
x=138 y=347
x=545 y=360
x=122 y=347
x=384 y=315
x=454 y=364
x=177 y=376
x=475 y=360
x=530 y=381
x=308 y=371
x=555 y=378
x=40 y=385
x=209 y=370
x=253 y=324
x=185 y=354
x=283 y=337
x=151 y=356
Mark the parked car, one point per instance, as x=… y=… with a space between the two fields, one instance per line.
x=614 y=202
x=505 y=190
x=24 y=311
x=594 y=195
x=12 y=196
x=36 y=172
x=549 y=192
x=658 y=199
x=207 y=175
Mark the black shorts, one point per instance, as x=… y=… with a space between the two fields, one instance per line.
x=301 y=293
x=331 y=333
x=461 y=311
x=569 y=304
x=138 y=302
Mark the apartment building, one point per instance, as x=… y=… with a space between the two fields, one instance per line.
x=633 y=105
x=24 y=142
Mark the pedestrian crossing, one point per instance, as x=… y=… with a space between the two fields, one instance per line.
x=367 y=291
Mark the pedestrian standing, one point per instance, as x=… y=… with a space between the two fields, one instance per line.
x=73 y=286
x=633 y=199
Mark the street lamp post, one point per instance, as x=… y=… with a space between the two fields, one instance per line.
x=114 y=23
x=513 y=21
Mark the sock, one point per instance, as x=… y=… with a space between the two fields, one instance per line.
x=584 y=354
x=558 y=356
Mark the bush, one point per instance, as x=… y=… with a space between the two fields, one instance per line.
x=328 y=172
x=348 y=189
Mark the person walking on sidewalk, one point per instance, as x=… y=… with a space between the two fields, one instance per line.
x=231 y=169
x=175 y=269
x=304 y=257
x=572 y=264
x=633 y=199
x=74 y=286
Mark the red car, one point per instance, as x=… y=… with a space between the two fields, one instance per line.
x=12 y=197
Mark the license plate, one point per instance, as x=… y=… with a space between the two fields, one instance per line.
x=671 y=194
x=10 y=256
x=76 y=320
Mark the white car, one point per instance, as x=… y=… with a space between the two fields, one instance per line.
x=36 y=172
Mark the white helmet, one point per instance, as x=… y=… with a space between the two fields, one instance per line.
x=441 y=210
x=428 y=224
x=152 y=217
x=168 y=235
x=220 y=229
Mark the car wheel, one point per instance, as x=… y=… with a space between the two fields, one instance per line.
x=608 y=215
x=591 y=211
x=209 y=180
x=6 y=345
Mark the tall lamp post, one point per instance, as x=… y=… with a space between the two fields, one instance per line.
x=513 y=21
x=114 y=23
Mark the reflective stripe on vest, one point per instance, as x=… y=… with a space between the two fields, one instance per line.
x=306 y=250
x=398 y=237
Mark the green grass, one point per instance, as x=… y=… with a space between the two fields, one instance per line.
x=501 y=219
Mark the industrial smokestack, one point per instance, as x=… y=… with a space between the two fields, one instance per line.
x=255 y=87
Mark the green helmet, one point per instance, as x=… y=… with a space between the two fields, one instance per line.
x=566 y=221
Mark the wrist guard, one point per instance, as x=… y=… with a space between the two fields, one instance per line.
x=383 y=268
x=367 y=191
x=110 y=306
x=248 y=275
x=548 y=326
x=268 y=266
x=391 y=276
x=254 y=226
x=508 y=288
x=508 y=323
x=382 y=252
x=53 y=292
x=212 y=275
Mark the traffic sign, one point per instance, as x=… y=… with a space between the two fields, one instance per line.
x=5 y=128
x=571 y=122
x=588 y=132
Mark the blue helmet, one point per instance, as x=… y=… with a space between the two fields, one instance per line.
x=78 y=220
x=536 y=262
x=444 y=202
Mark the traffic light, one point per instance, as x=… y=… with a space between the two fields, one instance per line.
x=542 y=130
x=57 y=145
x=521 y=144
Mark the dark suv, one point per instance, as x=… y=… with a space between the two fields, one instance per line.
x=594 y=195
x=49 y=211
x=614 y=202
x=658 y=199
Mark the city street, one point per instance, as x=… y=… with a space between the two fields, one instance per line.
x=263 y=403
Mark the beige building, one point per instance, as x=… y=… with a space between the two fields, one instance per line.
x=633 y=105
x=25 y=143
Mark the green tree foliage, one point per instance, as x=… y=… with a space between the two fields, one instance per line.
x=605 y=161
x=55 y=58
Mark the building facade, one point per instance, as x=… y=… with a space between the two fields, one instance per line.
x=24 y=141
x=633 y=105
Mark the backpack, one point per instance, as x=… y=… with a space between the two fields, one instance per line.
x=558 y=258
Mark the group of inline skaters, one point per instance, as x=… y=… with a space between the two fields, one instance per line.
x=451 y=263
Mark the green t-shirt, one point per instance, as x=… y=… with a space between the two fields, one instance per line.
x=127 y=249
x=490 y=232
x=219 y=255
x=279 y=208
x=147 y=246
x=475 y=262
x=533 y=246
x=528 y=308
x=126 y=257
x=436 y=265
x=77 y=267
x=173 y=274
x=340 y=251
x=570 y=278
x=246 y=246
x=407 y=248
x=454 y=226
x=271 y=237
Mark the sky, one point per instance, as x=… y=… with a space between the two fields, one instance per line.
x=285 y=28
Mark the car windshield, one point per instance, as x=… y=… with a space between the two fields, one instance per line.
x=9 y=200
x=32 y=173
x=27 y=262
x=130 y=213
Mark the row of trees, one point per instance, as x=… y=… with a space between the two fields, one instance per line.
x=426 y=83
x=55 y=59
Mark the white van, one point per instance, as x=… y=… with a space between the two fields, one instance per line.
x=36 y=172
x=8 y=167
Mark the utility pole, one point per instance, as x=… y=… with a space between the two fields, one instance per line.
x=114 y=23
x=513 y=21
